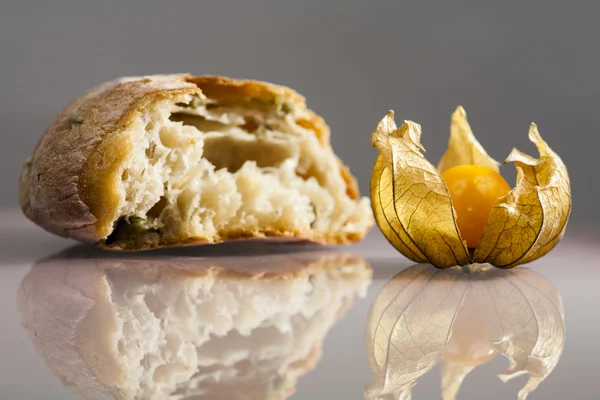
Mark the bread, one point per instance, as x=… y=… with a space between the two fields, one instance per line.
x=183 y=328
x=164 y=160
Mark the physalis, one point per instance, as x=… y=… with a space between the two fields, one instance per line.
x=464 y=211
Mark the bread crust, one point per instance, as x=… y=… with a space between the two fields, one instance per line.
x=66 y=184
x=69 y=184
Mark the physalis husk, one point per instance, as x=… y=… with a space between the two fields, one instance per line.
x=414 y=209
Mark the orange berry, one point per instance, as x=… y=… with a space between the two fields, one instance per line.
x=474 y=191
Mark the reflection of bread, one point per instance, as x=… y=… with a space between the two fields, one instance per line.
x=187 y=328
x=162 y=160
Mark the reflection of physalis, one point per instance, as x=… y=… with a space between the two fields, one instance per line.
x=464 y=211
x=425 y=316
x=187 y=328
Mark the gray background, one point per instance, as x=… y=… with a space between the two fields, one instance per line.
x=508 y=63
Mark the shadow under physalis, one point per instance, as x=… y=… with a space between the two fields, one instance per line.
x=464 y=211
x=460 y=319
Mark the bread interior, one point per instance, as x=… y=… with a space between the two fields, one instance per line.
x=211 y=171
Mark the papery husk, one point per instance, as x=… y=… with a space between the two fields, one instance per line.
x=529 y=221
x=413 y=208
x=410 y=200
x=463 y=147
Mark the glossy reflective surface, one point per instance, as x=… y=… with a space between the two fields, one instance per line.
x=461 y=319
x=266 y=321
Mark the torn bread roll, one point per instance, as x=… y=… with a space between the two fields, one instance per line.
x=242 y=327
x=163 y=160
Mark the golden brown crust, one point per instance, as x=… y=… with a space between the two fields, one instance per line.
x=224 y=89
x=351 y=184
x=251 y=92
x=66 y=186
x=267 y=234
x=69 y=185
